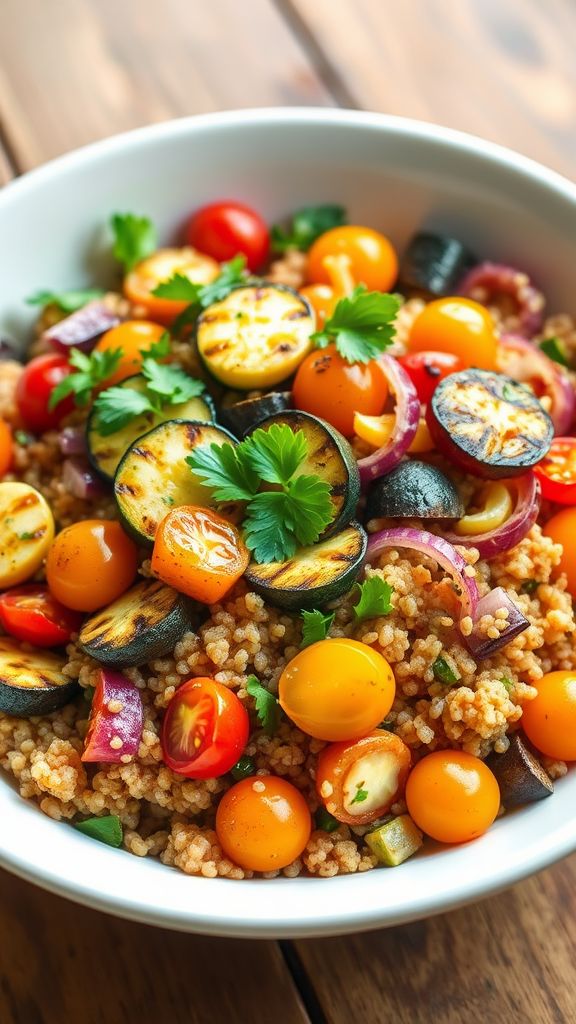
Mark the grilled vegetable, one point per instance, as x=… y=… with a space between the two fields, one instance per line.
x=488 y=424
x=330 y=457
x=83 y=328
x=153 y=476
x=32 y=682
x=395 y=841
x=239 y=418
x=26 y=532
x=105 y=452
x=256 y=336
x=145 y=623
x=414 y=490
x=116 y=720
x=521 y=777
x=434 y=264
x=314 y=575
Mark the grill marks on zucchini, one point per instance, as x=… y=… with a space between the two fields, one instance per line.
x=26 y=532
x=32 y=682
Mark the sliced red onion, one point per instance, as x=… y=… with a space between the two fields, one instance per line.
x=116 y=719
x=522 y=361
x=83 y=328
x=484 y=282
x=72 y=441
x=80 y=479
x=405 y=426
x=482 y=646
x=510 y=533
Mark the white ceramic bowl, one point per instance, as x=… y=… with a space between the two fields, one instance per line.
x=390 y=173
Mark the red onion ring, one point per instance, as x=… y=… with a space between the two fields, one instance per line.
x=482 y=646
x=80 y=479
x=83 y=328
x=510 y=533
x=488 y=278
x=522 y=361
x=72 y=441
x=386 y=458
x=106 y=724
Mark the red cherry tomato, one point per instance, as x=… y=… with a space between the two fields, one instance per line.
x=427 y=369
x=33 y=615
x=36 y=384
x=557 y=471
x=205 y=729
x=326 y=385
x=225 y=229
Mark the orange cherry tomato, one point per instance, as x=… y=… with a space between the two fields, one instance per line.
x=549 y=720
x=205 y=729
x=199 y=553
x=135 y=338
x=562 y=529
x=459 y=326
x=452 y=796
x=359 y=781
x=90 y=564
x=263 y=823
x=337 y=689
x=6 y=448
x=323 y=300
x=160 y=267
x=373 y=260
x=328 y=386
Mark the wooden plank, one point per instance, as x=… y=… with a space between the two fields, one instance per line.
x=76 y=70
x=502 y=70
x=60 y=962
x=509 y=958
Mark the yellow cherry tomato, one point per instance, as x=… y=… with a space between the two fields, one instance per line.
x=337 y=689
x=90 y=564
x=549 y=720
x=452 y=796
x=134 y=338
x=496 y=508
x=263 y=823
x=562 y=529
x=459 y=326
x=373 y=260
x=141 y=282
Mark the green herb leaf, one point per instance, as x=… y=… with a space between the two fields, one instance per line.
x=267 y=707
x=374 y=599
x=161 y=348
x=277 y=523
x=325 y=821
x=243 y=768
x=507 y=683
x=107 y=829
x=200 y=296
x=306 y=226
x=170 y=382
x=23 y=438
x=91 y=370
x=231 y=274
x=360 y=796
x=178 y=287
x=223 y=468
x=315 y=626
x=361 y=326
x=26 y=535
x=68 y=301
x=444 y=672
x=508 y=393
x=116 y=407
x=555 y=350
x=275 y=454
x=135 y=238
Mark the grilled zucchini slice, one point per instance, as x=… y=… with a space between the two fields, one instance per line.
x=242 y=416
x=256 y=337
x=32 y=682
x=145 y=623
x=26 y=532
x=315 y=575
x=154 y=477
x=105 y=452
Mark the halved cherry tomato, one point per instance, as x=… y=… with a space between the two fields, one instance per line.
x=373 y=260
x=337 y=689
x=161 y=266
x=199 y=553
x=328 y=386
x=134 y=338
x=33 y=615
x=562 y=529
x=35 y=385
x=457 y=326
x=6 y=447
x=452 y=796
x=90 y=564
x=557 y=471
x=359 y=781
x=427 y=369
x=205 y=729
x=549 y=720
x=263 y=823
x=226 y=229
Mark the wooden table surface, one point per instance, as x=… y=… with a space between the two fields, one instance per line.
x=76 y=70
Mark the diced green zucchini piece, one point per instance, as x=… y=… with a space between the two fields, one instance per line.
x=395 y=841
x=32 y=682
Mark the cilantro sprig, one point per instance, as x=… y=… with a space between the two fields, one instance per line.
x=315 y=626
x=90 y=371
x=444 y=671
x=135 y=238
x=373 y=599
x=555 y=350
x=361 y=326
x=306 y=226
x=200 y=296
x=266 y=704
x=107 y=829
x=67 y=301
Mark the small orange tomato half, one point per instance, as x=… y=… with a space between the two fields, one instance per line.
x=141 y=282
x=562 y=529
x=6 y=448
x=199 y=553
x=452 y=796
x=549 y=720
x=328 y=386
x=457 y=326
x=90 y=564
x=205 y=729
x=358 y=782
x=373 y=260
x=263 y=823
x=134 y=338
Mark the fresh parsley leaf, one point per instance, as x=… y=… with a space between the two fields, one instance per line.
x=231 y=273
x=116 y=407
x=555 y=350
x=222 y=468
x=200 y=296
x=68 y=301
x=361 y=326
x=178 y=287
x=325 y=821
x=107 y=829
x=170 y=382
x=373 y=599
x=306 y=226
x=444 y=672
x=277 y=523
x=315 y=626
x=91 y=370
x=274 y=454
x=360 y=795
x=161 y=348
x=267 y=707
x=135 y=238
x=167 y=499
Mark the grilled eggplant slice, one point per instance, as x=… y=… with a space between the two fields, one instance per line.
x=105 y=452
x=434 y=264
x=256 y=337
x=521 y=777
x=145 y=623
x=315 y=575
x=242 y=416
x=32 y=682
x=414 y=490
x=154 y=477
x=26 y=532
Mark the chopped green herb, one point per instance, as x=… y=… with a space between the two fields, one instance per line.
x=360 y=796
x=315 y=626
x=161 y=348
x=306 y=226
x=68 y=301
x=200 y=296
x=325 y=821
x=529 y=586
x=373 y=598
x=361 y=326
x=508 y=393
x=165 y=385
x=168 y=499
x=26 y=536
x=444 y=672
x=507 y=683
x=243 y=768
x=135 y=238
x=107 y=829
x=267 y=707
x=22 y=438
x=91 y=370
x=555 y=350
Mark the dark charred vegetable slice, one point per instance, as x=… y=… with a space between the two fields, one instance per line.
x=145 y=623
x=315 y=575
x=32 y=682
x=434 y=264
x=105 y=452
x=488 y=424
x=154 y=477
x=414 y=490
x=239 y=418
x=521 y=777
x=256 y=337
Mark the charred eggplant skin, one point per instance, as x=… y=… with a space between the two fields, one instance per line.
x=434 y=264
x=520 y=775
x=242 y=416
x=414 y=490
x=32 y=682
x=488 y=424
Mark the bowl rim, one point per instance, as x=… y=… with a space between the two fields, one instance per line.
x=331 y=918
